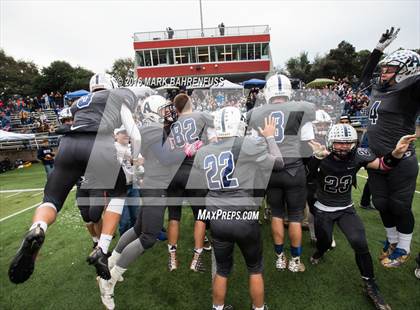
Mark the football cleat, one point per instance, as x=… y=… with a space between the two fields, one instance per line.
x=372 y=291
x=281 y=261
x=295 y=265
x=417 y=270
x=387 y=249
x=207 y=244
x=197 y=264
x=265 y=307
x=367 y=207
x=315 y=258
x=107 y=292
x=226 y=307
x=172 y=261
x=396 y=258
x=100 y=260
x=23 y=264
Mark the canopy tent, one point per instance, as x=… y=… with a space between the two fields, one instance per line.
x=12 y=136
x=226 y=85
x=168 y=87
x=317 y=83
x=254 y=83
x=76 y=94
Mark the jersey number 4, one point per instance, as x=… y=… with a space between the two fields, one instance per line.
x=337 y=185
x=219 y=171
x=373 y=112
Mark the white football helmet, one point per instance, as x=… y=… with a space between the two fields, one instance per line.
x=278 y=85
x=408 y=63
x=101 y=81
x=342 y=133
x=322 y=122
x=229 y=122
x=65 y=114
x=151 y=109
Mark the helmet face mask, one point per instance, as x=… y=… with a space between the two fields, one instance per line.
x=402 y=64
x=342 y=141
x=152 y=109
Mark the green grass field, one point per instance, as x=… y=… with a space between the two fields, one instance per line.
x=63 y=280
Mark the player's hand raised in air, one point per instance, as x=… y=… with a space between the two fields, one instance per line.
x=403 y=145
x=269 y=127
x=320 y=151
x=387 y=38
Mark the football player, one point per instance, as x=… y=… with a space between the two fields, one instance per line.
x=287 y=187
x=87 y=149
x=190 y=131
x=336 y=170
x=393 y=110
x=227 y=168
x=159 y=157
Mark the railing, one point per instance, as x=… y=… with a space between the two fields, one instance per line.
x=29 y=144
x=196 y=33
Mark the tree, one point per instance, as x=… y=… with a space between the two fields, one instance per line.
x=299 y=67
x=123 y=71
x=17 y=77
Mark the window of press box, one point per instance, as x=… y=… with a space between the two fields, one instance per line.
x=228 y=52
x=257 y=50
x=203 y=53
x=155 y=57
x=265 y=50
x=243 y=52
x=140 y=58
x=236 y=52
x=147 y=58
x=251 y=51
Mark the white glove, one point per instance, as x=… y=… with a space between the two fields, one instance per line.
x=387 y=38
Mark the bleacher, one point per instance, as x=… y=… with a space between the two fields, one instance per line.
x=31 y=144
x=17 y=127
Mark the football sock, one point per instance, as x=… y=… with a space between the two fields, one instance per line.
x=198 y=250
x=278 y=248
x=104 y=242
x=95 y=239
x=296 y=251
x=130 y=253
x=392 y=234
x=117 y=272
x=43 y=225
x=404 y=241
x=172 y=247
x=220 y=307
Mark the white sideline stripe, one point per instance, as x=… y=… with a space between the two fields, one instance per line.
x=362 y=176
x=13 y=195
x=28 y=208
x=19 y=212
x=22 y=190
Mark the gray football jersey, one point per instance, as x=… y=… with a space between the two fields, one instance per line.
x=392 y=114
x=101 y=111
x=156 y=175
x=290 y=117
x=228 y=172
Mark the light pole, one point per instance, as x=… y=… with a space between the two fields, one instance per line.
x=201 y=18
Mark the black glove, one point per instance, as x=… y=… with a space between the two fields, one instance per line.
x=387 y=38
